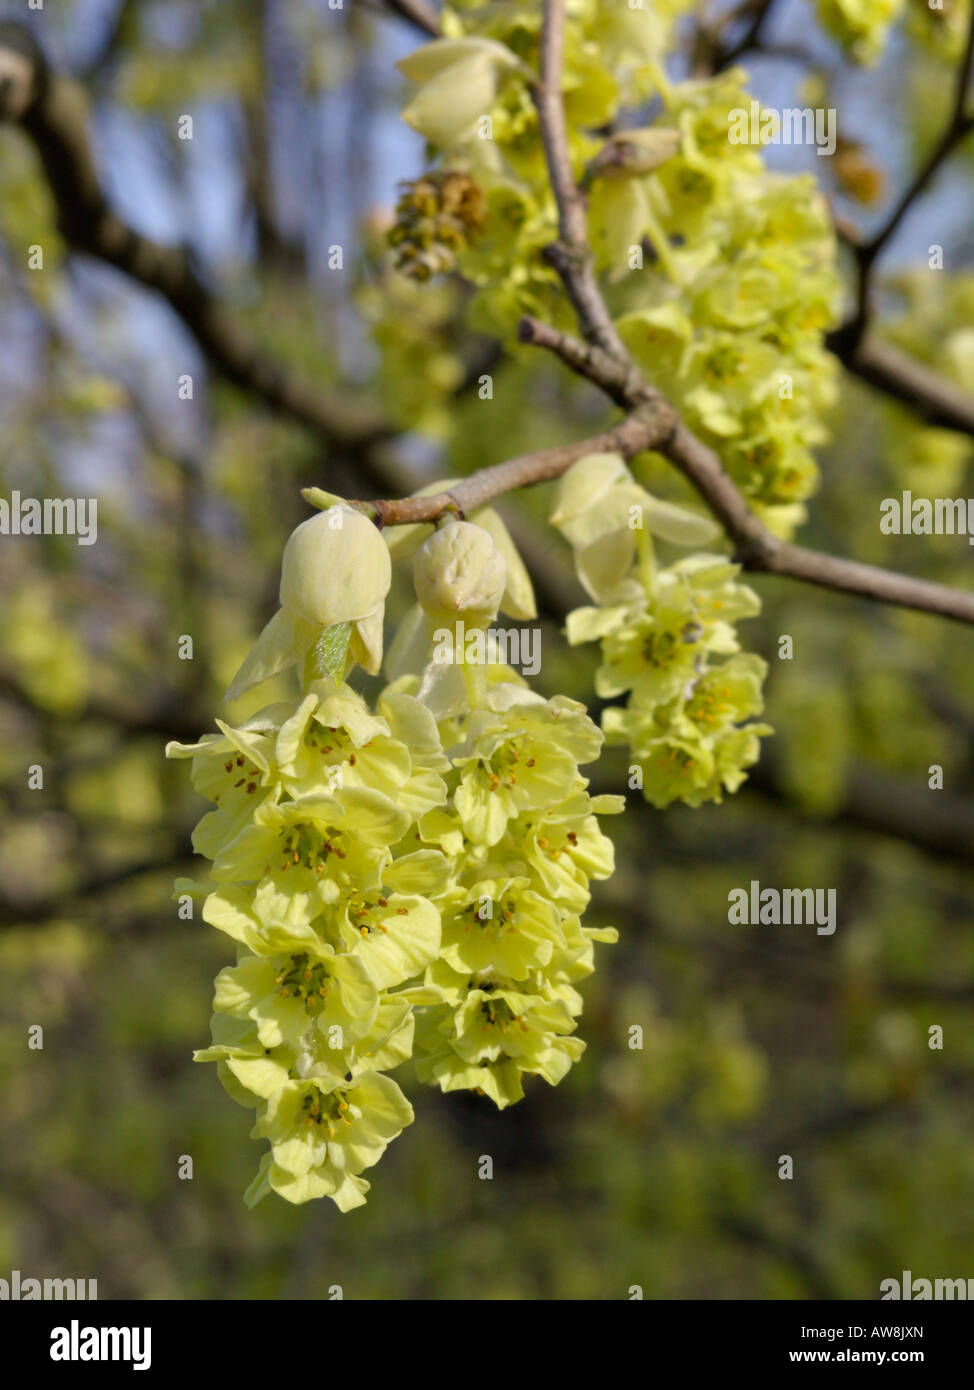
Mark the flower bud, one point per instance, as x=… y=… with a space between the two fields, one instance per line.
x=634 y=153
x=459 y=572
x=458 y=83
x=336 y=568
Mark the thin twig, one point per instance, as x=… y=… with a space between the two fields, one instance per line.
x=51 y=111
x=958 y=126
x=756 y=548
x=629 y=437
x=749 y=39
x=571 y=255
x=419 y=14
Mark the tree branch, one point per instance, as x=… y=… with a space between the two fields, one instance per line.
x=958 y=126
x=756 y=548
x=571 y=256
x=760 y=11
x=51 y=111
x=635 y=433
x=419 y=14
x=927 y=394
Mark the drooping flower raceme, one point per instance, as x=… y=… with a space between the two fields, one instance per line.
x=412 y=876
x=520 y=830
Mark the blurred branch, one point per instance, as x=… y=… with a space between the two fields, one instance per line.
x=418 y=13
x=796 y=1252
x=41 y=910
x=937 y=823
x=51 y=111
x=760 y=12
x=169 y=718
x=959 y=124
x=927 y=394
x=274 y=250
x=115 y=31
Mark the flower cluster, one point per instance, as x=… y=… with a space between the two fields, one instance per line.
x=860 y=26
x=667 y=637
x=521 y=833
x=415 y=874
x=723 y=274
x=317 y=879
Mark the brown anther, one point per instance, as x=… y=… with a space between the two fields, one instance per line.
x=402 y=911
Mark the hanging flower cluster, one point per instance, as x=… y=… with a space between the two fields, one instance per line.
x=667 y=636
x=409 y=876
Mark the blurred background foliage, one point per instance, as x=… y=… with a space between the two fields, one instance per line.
x=654 y=1167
